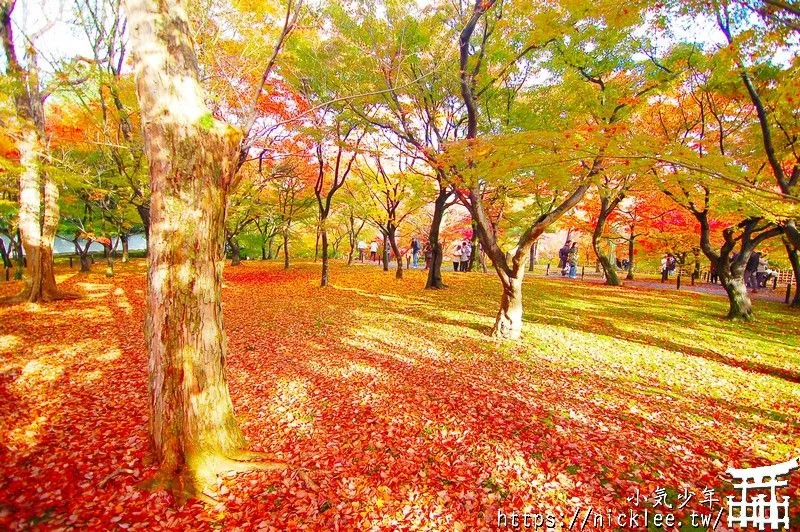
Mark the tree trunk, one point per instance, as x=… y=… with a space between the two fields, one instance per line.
x=630 y=259
x=38 y=194
x=794 y=260
x=740 y=306
x=316 y=245
x=83 y=254
x=192 y=162
x=393 y=242
x=434 y=280
x=606 y=208
x=37 y=231
x=236 y=252
x=385 y=252
x=144 y=214
x=508 y=324
x=324 y=237
x=286 y=250
x=4 y=253
x=124 y=238
x=109 y=260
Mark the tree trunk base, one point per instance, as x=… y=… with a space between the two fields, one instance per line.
x=196 y=478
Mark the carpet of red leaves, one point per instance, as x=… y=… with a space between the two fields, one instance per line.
x=404 y=412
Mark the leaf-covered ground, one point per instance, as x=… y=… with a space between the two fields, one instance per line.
x=395 y=399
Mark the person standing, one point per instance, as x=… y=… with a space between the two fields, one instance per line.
x=761 y=271
x=373 y=251
x=414 y=253
x=665 y=268
x=750 y=271
x=466 y=252
x=457 y=258
x=572 y=261
x=712 y=273
x=563 y=253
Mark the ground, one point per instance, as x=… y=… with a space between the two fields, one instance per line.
x=403 y=411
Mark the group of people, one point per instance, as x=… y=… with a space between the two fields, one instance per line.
x=568 y=259
x=373 y=251
x=415 y=248
x=757 y=272
x=461 y=256
x=668 y=265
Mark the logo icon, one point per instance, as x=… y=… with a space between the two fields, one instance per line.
x=754 y=508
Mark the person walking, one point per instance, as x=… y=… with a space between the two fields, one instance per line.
x=362 y=248
x=373 y=251
x=665 y=268
x=572 y=261
x=750 y=271
x=712 y=273
x=457 y=258
x=466 y=252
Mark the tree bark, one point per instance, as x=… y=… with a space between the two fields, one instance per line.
x=4 y=253
x=124 y=238
x=38 y=194
x=630 y=258
x=236 y=252
x=83 y=255
x=740 y=308
x=434 y=281
x=393 y=242
x=606 y=208
x=508 y=323
x=192 y=162
x=386 y=252
x=324 y=238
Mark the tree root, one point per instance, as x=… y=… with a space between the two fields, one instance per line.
x=114 y=474
x=197 y=478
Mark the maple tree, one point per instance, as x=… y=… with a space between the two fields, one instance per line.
x=219 y=128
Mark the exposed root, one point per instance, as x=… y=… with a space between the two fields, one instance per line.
x=197 y=479
x=114 y=474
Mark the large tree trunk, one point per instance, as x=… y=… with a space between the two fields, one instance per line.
x=192 y=161
x=794 y=260
x=37 y=228
x=740 y=307
x=508 y=324
x=83 y=255
x=38 y=212
x=434 y=280
x=606 y=208
x=630 y=259
x=324 y=238
x=236 y=252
